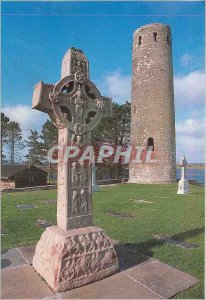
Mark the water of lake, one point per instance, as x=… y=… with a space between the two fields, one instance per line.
x=193 y=174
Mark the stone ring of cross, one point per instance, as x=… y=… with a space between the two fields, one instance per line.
x=76 y=103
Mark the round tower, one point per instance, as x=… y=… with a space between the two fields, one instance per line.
x=152 y=106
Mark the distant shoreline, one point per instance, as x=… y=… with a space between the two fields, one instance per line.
x=193 y=166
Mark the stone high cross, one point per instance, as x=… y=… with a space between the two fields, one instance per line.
x=75 y=107
x=183 y=184
x=183 y=165
x=74 y=252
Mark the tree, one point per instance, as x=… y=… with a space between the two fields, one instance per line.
x=14 y=141
x=49 y=138
x=116 y=132
x=49 y=135
x=35 y=154
x=4 y=134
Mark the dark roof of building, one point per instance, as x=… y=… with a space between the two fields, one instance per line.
x=9 y=170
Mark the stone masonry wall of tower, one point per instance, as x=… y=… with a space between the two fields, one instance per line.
x=152 y=108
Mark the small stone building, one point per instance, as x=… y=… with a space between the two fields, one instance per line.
x=22 y=175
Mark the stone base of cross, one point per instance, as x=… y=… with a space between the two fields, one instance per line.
x=183 y=187
x=183 y=184
x=73 y=258
x=74 y=252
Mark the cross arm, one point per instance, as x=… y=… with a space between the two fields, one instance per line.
x=40 y=100
x=103 y=105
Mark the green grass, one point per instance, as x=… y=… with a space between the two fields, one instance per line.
x=179 y=216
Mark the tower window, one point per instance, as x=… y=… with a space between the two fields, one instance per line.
x=150 y=144
x=155 y=36
x=140 y=40
x=134 y=109
x=168 y=40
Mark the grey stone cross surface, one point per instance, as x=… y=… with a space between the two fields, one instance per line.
x=75 y=106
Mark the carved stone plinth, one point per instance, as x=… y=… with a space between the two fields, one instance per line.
x=70 y=259
x=183 y=187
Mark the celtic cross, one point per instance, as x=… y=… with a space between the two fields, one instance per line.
x=75 y=106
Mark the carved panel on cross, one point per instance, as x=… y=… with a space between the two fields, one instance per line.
x=79 y=189
x=79 y=64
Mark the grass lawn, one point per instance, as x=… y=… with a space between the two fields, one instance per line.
x=124 y=220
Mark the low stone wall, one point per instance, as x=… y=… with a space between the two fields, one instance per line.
x=99 y=182
x=111 y=181
x=30 y=189
x=50 y=187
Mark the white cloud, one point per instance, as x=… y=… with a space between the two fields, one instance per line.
x=27 y=117
x=117 y=86
x=191 y=127
x=197 y=113
x=190 y=140
x=190 y=88
x=186 y=59
x=192 y=62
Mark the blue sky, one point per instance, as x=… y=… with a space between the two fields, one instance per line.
x=36 y=35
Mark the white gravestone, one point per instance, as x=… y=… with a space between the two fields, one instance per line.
x=183 y=186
